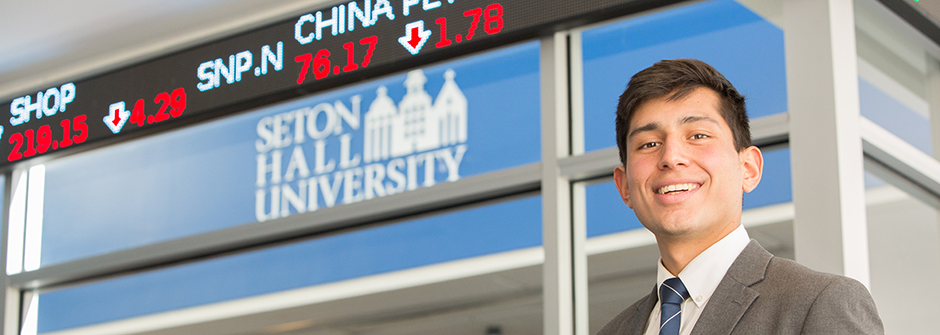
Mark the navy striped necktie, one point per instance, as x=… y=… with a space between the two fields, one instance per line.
x=671 y=294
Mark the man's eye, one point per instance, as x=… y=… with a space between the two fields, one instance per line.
x=699 y=136
x=648 y=145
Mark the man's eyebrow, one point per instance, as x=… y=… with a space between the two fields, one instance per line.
x=688 y=119
x=648 y=127
x=697 y=118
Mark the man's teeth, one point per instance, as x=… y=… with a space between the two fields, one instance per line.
x=677 y=188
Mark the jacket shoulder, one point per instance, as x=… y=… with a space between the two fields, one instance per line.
x=840 y=305
x=821 y=303
x=799 y=286
x=785 y=272
x=627 y=322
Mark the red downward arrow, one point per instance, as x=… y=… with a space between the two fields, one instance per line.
x=415 y=37
x=117 y=117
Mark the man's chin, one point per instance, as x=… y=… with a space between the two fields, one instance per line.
x=674 y=232
x=676 y=224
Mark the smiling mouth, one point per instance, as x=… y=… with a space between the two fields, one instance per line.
x=673 y=189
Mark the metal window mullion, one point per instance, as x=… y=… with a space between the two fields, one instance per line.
x=577 y=203
x=10 y=296
x=576 y=80
x=830 y=232
x=932 y=94
x=557 y=272
x=579 y=261
x=896 y=156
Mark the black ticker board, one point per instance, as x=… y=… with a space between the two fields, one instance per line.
x=357 y=40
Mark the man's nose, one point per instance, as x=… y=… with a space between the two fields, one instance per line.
x=674 y=154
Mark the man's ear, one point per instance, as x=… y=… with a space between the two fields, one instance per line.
x=620 y=179
x=752 y=164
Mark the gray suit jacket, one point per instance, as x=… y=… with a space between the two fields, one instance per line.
x=763 y=294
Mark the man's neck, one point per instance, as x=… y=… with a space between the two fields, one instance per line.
x=677 y=252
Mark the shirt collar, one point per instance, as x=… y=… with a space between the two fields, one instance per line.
x=703 y=274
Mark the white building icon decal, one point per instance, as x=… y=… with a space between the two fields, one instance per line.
x=417 y=124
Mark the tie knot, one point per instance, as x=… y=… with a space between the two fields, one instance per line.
x=672 y=291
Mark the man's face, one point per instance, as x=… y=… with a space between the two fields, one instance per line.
x=683 y=177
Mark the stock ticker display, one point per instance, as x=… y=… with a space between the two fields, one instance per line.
x=323 y=49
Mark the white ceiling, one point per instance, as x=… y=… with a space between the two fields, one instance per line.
x=46 y=42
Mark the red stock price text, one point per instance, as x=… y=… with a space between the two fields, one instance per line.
x=39 y=141
x=492 y=23
x=489 y=19
x=320 y=64
x=171 y=104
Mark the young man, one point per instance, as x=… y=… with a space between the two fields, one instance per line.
x=685 y=145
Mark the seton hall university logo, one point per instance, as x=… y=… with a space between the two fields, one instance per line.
x=417 y=124
x=415 y=143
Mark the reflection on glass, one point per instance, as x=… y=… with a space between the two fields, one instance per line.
x=904 y=245
x=775 y=184
x=740 y=44
x=606 y=212
x=383 y=137
x=896 y=117
x=895 y=69
x=487 y=230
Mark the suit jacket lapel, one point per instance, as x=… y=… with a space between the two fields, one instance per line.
x=640 y=319
x=734 y=296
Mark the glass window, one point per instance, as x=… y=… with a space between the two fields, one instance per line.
x=493 y=229
x=904 y=244
x=606 y=212
x=739 y=43
x=896 y=68
x=775 y=184
x=418 y=129
x=893 y=115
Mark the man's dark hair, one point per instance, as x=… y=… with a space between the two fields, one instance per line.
x=676 y=79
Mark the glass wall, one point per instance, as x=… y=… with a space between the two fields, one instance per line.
x=904 y=243
x=899 y=86
x=471 y=265
x=494 y=229
x=392 y=135
x=895 y=67
x=739 y=43
x=468 y=117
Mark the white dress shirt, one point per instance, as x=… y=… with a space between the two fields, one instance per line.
x=701 y=277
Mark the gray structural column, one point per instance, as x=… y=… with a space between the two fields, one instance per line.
x=578 y=197
x=932 y=93
x=9 y=296
x=557 y=272
x=830 y=227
